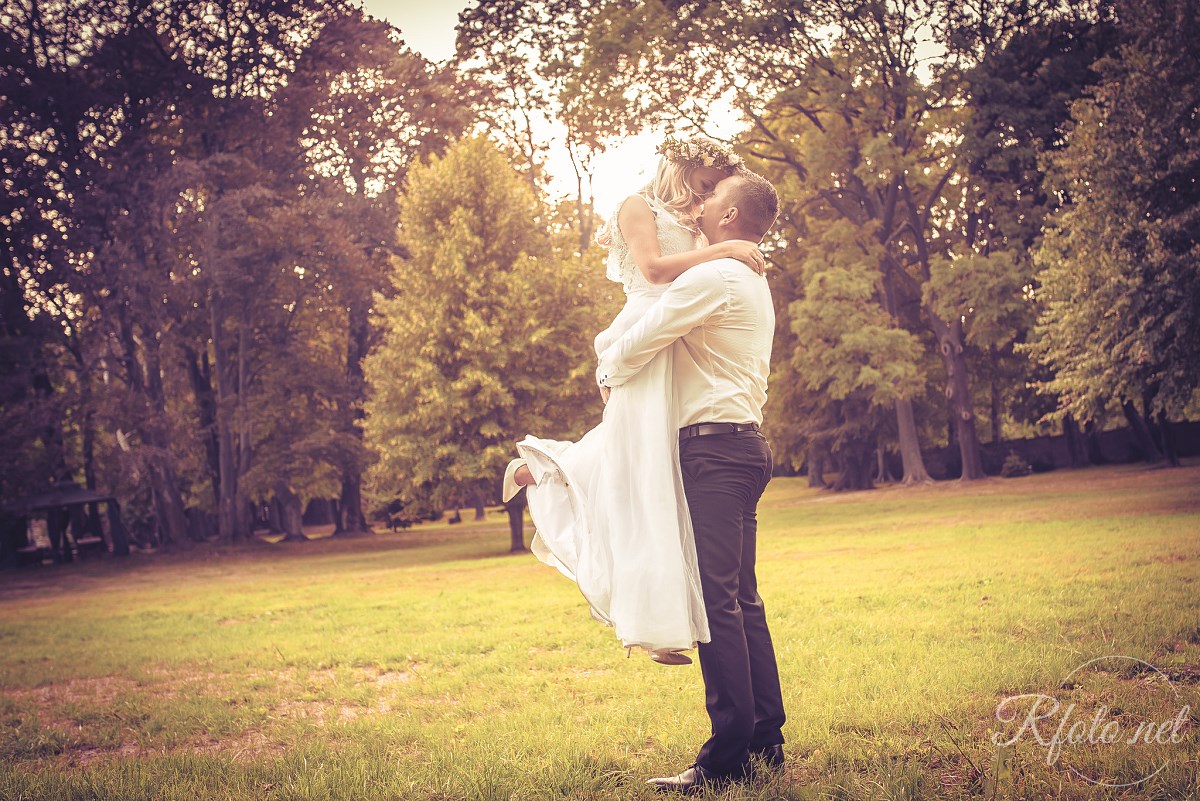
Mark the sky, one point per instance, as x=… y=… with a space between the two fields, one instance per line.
x=626 y=165
x=428 y=25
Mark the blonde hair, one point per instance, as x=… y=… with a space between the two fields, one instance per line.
x=670 y=188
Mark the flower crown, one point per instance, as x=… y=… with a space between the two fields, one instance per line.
x=698 y=152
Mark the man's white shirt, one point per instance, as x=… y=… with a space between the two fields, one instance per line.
x=719 y=320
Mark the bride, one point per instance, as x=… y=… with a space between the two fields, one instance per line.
x=609 y=510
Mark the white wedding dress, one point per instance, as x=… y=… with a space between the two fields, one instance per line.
x=609 y=510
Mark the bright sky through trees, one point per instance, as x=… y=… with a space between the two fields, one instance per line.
x=428 y=27
x=624 y=168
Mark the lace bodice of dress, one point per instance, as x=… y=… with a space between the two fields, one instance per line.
x=673 y=238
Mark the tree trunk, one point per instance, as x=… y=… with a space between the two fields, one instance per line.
x=143 y=360
x=116 y=530
x=815 y=464
x=89 y=451
x=291 y=513
x=883 y=473
x=56 y=530
x=274 y=517
x=1166 y=439
x=949 y=334
x=244 y=510
x=227 y=513
x=1142 y=438
x=584 y=208
x=1076 y=448
x=351 y=518
x=51 y=434
x=1092 y=442
x=857 y=466
x=910 y=445
x=169 y=502
x=995 y=421
x=958 y=395
x=89 y=436
x=168 y=506
x=516 y=523
x=200 y=375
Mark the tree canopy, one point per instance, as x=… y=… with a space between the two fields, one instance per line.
x=1119 y=292
x=486 y=336
x=254 y=252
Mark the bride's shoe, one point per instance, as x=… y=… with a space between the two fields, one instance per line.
x=670 y=656
x=511 y=487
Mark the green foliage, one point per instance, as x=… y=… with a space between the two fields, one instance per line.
x=934 y=163
x=1014 y=466
x=523 y=58
x=846 y=343
x=866 y=145
x=1120 y=294
x=198 y=222
x=1020 y=89
x=867 y=184
x=486 y=336
x=221 y=194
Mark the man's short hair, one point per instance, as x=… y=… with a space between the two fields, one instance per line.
x=756 y=201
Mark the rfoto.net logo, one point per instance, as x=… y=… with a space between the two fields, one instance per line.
x=1110 y=708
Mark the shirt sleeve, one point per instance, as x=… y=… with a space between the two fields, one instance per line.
x=691 y=299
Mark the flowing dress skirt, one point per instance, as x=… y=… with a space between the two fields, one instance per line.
x=610 y=513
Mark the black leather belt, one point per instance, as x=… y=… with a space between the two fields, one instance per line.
x=707 y=429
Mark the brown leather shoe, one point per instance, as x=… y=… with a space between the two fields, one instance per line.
x=692 y=781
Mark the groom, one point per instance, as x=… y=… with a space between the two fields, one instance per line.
x=719 y=320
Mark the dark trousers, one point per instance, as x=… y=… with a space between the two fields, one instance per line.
x=723 y=477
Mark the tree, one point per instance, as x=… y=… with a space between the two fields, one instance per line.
x=1020 y=91
x=524 y=56
x=163 y=221
x=71 y=96
x=1120 y=293
x=485 y=339
x=206 y=203
x=842 y=98
x=365 y=109
x=847 y=349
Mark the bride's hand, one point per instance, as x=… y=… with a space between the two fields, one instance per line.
x=747 y=252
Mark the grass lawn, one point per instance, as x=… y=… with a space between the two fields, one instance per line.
x=432 y=664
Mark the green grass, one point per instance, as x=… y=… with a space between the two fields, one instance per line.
x=431 y=664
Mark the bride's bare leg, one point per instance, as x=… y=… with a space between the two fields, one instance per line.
x=523 y=476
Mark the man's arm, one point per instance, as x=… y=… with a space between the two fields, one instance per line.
x=687 y=303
